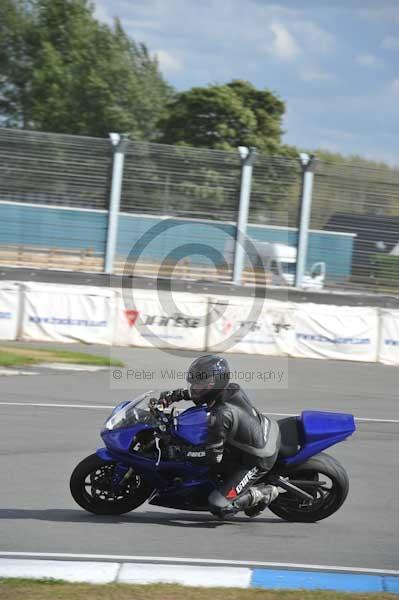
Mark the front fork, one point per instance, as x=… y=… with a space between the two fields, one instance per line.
x=120 y=475
x=121 y=472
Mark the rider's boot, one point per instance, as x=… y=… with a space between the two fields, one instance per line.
x=259 y=499
x=252 y=502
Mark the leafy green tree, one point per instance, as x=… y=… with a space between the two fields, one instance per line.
x=15 y=61
x=63 y=71
x=223 y=117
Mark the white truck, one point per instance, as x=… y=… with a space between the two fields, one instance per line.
x=279 y=261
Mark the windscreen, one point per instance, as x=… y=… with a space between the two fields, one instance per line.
x=130 y=413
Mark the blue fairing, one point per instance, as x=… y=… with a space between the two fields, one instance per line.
x=321 y=425
x=120 y=446
x=178 y=483
x=192 y=426
x=104 y=454
x=120 y=440
x=320 y=430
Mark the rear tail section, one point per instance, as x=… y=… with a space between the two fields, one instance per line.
x=311 y=433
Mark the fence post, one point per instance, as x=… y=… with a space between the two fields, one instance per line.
x=119 y=145
x=308 y=164
x=247 y=156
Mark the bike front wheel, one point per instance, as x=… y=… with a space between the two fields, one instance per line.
x=91 y=487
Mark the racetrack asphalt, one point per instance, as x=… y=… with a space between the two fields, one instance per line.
x=40 y=446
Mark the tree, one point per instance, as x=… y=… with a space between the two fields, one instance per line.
x=223 y=117
x=15 y=62
x=63 y=71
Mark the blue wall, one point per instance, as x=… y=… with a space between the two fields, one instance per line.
x=157 y=238
x=165 y=237
x=52 y=227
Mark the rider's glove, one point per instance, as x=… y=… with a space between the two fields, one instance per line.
x=167 y=398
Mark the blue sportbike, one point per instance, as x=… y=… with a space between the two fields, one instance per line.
x=152 y=454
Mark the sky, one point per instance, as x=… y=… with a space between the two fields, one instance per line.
x=335 y=63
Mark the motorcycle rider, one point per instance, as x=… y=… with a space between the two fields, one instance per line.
x=242 y=444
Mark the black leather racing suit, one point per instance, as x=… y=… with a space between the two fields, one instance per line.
x=242 y=446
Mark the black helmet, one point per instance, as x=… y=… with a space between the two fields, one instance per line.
x=208 y=375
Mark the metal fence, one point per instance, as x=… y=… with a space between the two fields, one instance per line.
x=180 y=211
x=180 y=181
x=56 y=170
x=364 y=202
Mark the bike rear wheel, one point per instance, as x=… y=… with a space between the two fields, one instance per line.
x=321 y=476
x=91 y=487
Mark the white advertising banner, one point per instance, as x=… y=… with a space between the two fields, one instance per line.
x=10 y=304
x=178 y=320
x=251 y=327
x=60 y=313
x=389 y=337
x=336 y=332
x=148 y=318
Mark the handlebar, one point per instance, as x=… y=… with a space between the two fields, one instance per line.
x=157 y=409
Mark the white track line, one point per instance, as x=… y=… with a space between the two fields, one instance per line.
x=11 y=372
x=44 y=405
x=203 y=561
x=111 y=406
x=74 y=367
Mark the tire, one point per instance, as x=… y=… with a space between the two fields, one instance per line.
x=90 y=486
x=329 y=497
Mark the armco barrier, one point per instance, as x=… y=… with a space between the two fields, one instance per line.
x=147 y=318
x=10 y=309
x=289 y=329
x=251 y=327
x=55 y=313
x=71 y=313
x=95 y=315
x=389 y=337
x=336 y=332
x=227 y=574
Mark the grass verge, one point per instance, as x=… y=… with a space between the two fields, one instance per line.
x=17 y=357
x=25 y=589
